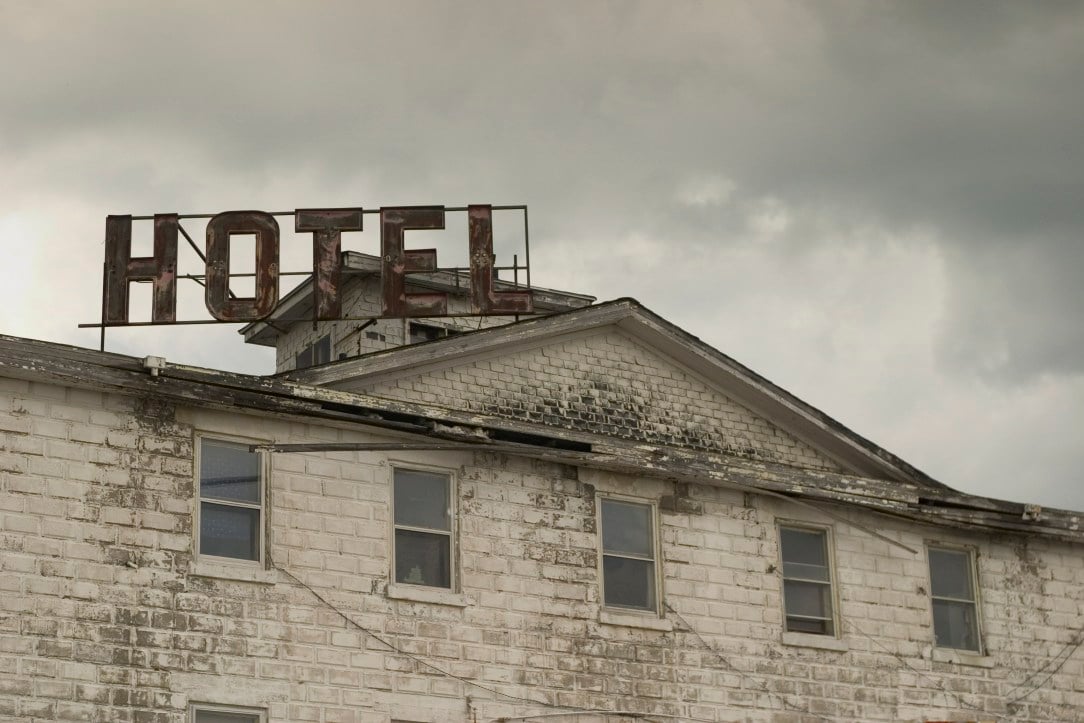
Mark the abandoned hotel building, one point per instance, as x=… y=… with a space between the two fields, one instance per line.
x=584 y=515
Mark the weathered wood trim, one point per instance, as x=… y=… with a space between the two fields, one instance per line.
x=527 y=333
x=765 y=398
x=81 y=368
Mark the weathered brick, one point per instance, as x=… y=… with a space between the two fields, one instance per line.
x=102 y=613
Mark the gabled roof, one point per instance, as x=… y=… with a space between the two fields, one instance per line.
x=739 y=383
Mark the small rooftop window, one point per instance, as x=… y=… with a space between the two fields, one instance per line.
x=318 y=352
x=429 y=332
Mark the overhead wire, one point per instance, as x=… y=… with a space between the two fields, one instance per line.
x=938 y=684
x=1067 y=651
x=1058 y=661
x=396 y=649
x=568 y=710
x=729 y=665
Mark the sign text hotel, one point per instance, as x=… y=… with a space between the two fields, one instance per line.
x=326 y=227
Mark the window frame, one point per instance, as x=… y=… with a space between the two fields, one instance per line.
x=656 y=551
x=264 y=467
x=833 y=586
x=972 y=555
x=196 y=708
x=453 y=525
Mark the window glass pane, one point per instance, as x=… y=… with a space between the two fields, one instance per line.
x=626 y=528
x=955 y=625
x=805 y=547
x=228 y=531
x=303 y=360
x=423 y=558
x=421 y=499
x=628 y=583
x=950 y=574
x=229 y=472
x=321 y=350
x=805 y=572
x=207 y=716
x=807 y=599
x=807 y=589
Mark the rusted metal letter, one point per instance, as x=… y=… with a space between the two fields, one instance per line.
x=121 y=268
x=484 y=300
x=219 y=230
x=327 y=226
x=397 y=262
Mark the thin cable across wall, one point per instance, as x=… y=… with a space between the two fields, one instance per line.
x=570 y=710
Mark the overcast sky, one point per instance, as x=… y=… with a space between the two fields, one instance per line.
x=878 y=206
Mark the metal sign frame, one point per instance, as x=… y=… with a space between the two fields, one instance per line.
x=326 y=226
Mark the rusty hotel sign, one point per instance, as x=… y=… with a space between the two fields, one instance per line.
x=326 y=227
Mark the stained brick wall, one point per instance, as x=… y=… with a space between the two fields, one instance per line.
x=103 y=616
x=607 y=382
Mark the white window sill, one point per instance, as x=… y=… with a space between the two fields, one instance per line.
x=962 y=657
x=219 y=568
x=646 y=620
x=435 y=595
x=809 y=640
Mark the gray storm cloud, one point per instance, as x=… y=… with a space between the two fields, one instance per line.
x=873 y=203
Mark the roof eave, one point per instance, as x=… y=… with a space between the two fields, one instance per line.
x=194 y=386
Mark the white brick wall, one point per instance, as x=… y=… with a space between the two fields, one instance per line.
x=607 y=382
x=101 y=618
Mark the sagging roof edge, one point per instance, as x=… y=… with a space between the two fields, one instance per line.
x=915 y=474
x=817 y=428
x=83 y=368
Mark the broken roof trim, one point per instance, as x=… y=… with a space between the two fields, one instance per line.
x=196 y=386
x=738 y=382
x=298 y=301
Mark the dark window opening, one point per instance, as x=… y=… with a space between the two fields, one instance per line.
x=428 y=332
x=318 y=352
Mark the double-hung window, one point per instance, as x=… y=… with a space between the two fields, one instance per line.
x=807 y=580
x=231 y=497
x=952 y=592
x=629 y=579
x=422 y=510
